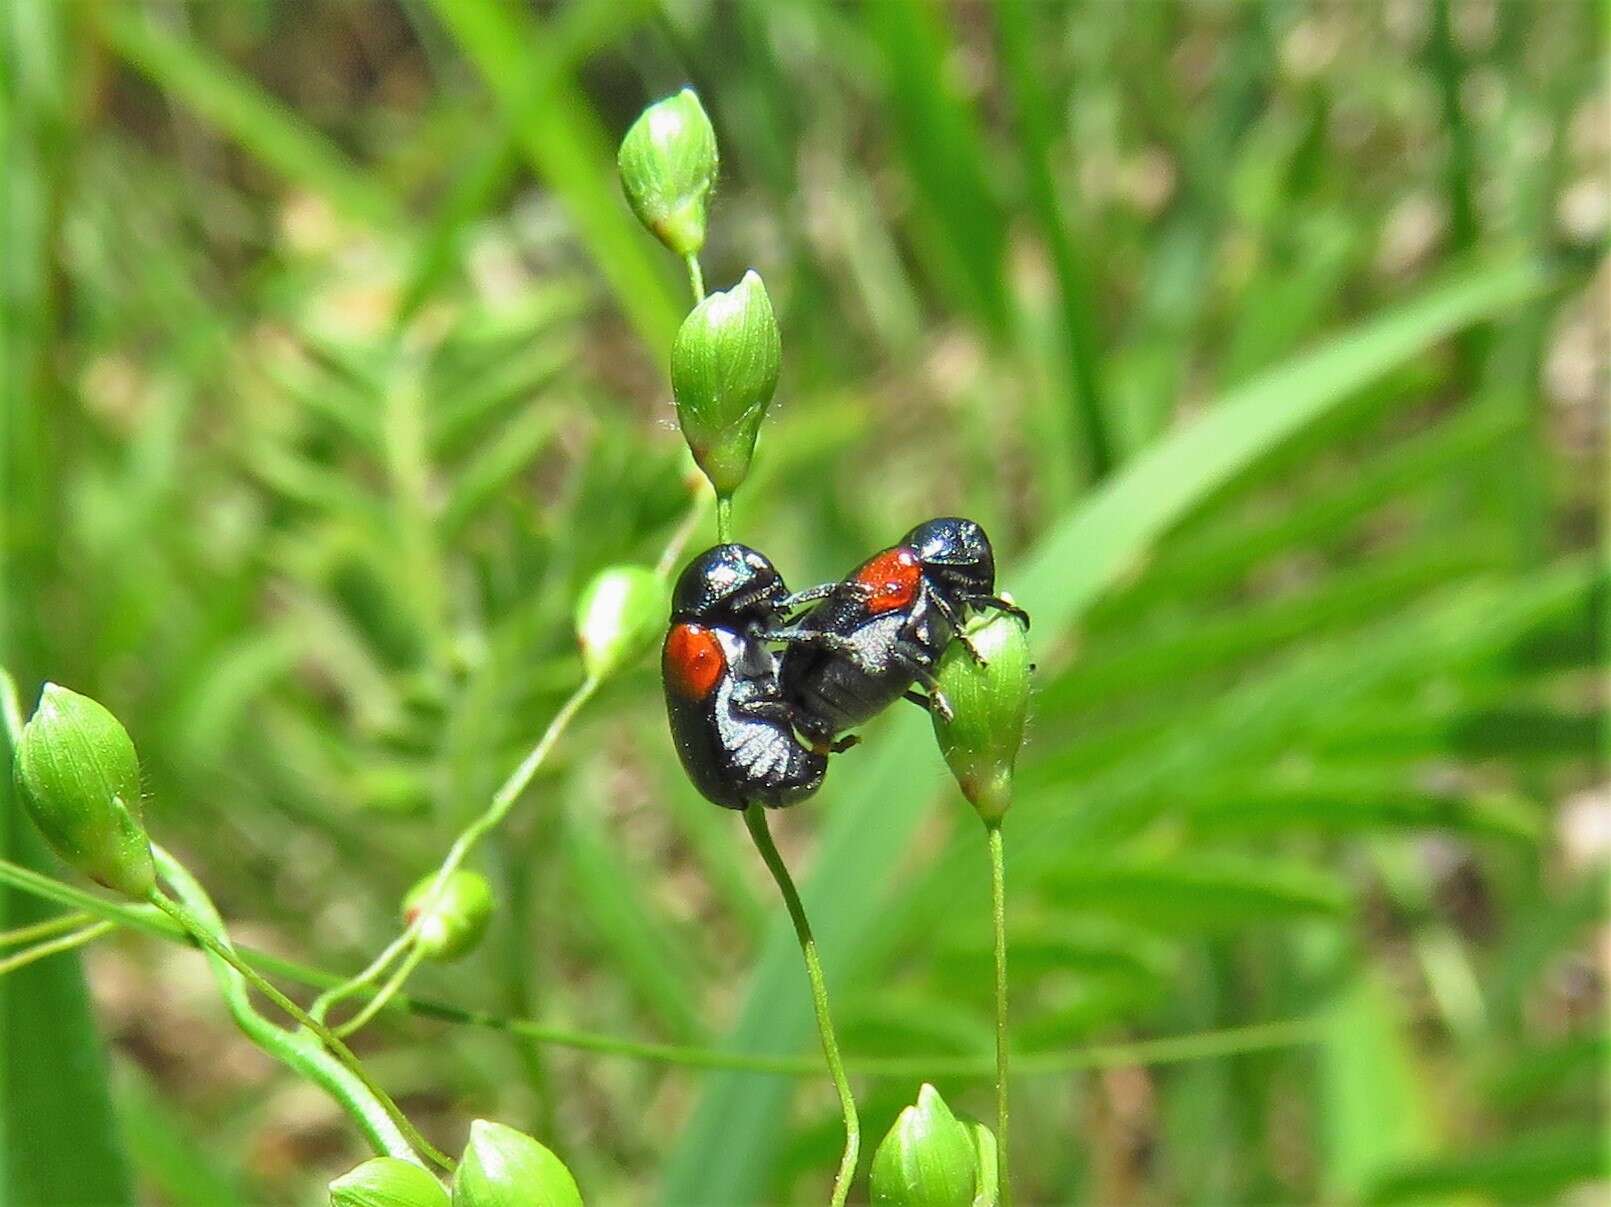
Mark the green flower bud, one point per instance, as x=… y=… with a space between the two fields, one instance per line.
x=724 y=369
x=455 y=919
x=989 y=703
x=668 y=168
x=927 y=1160
x=619 y=618
x=505 y=1168
x=387 y=1182
x=80 y=778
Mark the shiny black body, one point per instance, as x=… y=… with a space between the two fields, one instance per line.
x=732 y=729
x=885 y=626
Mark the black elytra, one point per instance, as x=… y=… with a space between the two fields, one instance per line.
x=884 y=627
x=732 y=728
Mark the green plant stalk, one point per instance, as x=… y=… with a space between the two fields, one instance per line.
x=67 y=942
x=43 y=930
x=755 y=819
x=352 y=1086
x=386 y=993
x=1175 y=1049
x=998 y=915
x=696 y=278
x=724 y=519
x=502 y=801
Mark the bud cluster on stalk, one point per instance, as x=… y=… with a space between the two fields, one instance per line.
x=726 y=356
x=501 y=1167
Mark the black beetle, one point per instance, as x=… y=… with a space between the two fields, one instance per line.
x=885 y=626
x=732 y=728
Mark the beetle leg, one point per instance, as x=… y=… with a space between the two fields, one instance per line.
x=812 y=594
x=955 y=621
x=935 y=701
x=1001 y=605
x=833 y=643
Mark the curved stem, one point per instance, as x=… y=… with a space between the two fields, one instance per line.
x=287 y=1045
x=998 y=914
x=387 y=991
x=755 y=819
x=67 y=942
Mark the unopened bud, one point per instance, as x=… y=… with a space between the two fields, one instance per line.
x=505 y=1168
x=724 y=370
x=928 y=1159
x=989 y=703
x=987 y=1193
x=668 y=167
x=451 y=921
x=619 y=618
x=387 y=1182
x=80 y=778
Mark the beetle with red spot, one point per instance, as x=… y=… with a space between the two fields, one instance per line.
x=733 y=730
x=885 y=626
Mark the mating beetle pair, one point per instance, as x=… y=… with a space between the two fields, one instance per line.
x=739 y=712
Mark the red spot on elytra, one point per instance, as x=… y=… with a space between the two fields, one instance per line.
x=692 y=661
x=892 y=576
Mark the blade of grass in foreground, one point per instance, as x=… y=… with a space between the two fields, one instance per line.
x=882 y=795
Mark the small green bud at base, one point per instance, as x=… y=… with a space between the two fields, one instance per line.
x=387 y=1182
x=505 y=1168
x=989 y=703
x=620 y=616
x=668 y=168
x=724 y=371
x=928 y=1159
x=454 y=922
x=79 y=776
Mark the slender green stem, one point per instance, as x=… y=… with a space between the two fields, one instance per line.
x=342 y=1053
x=724 y=519
x=1174 y=1049
x=45 y=929
x=696 y=278
x=67 y=942
x=387 y=991
x=502 y=801
x=755 y=819
x=998 y=914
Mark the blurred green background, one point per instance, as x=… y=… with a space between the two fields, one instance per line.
x=1269 y=342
